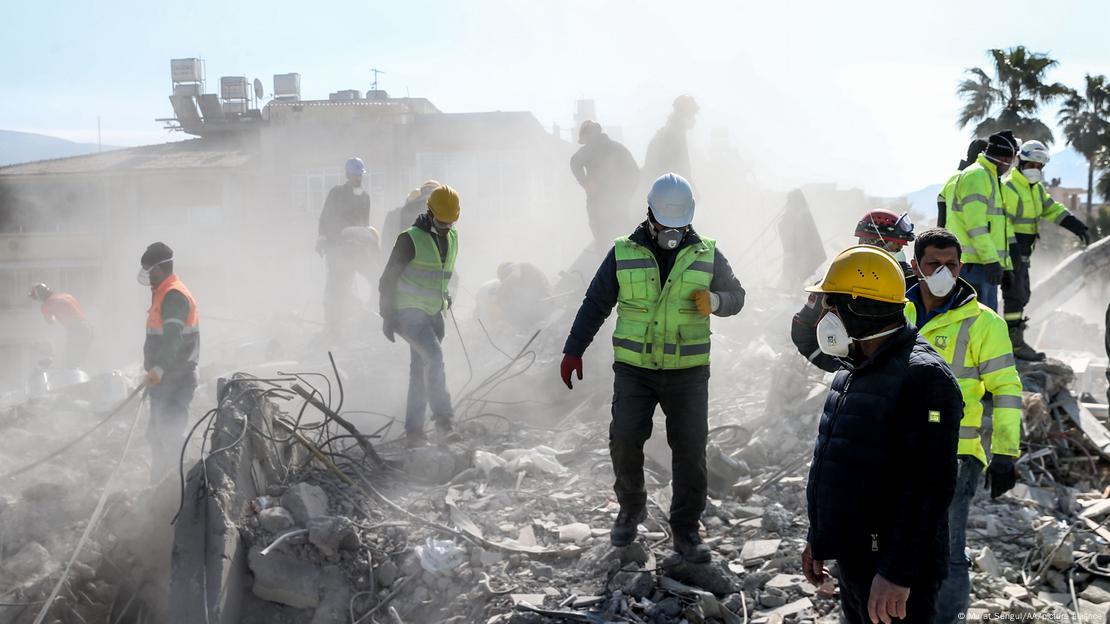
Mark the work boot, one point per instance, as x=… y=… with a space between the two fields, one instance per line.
x=445 y=429
x=1022 y=350
x=690 y=545
x=415 y=439
x=624 y=527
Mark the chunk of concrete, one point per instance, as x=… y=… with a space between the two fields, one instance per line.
x=635 y=584
x=31 y=559
x=331 y=534
x=796 y=607
x=284 y=579
x=1097 y=592
x=988 y=562
x=305 y=501
x=276 y=519
x=755 y=551
x=574 y=532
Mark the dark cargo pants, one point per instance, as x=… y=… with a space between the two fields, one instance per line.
x=855 y=588
x=169 y=415
x=684 y=397
x=1016 y=295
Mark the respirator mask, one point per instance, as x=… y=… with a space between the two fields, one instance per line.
x=834 y=338
x=668 y=238
x=1033 y=174
x=358 y=190
x=941 y=282
x=441 y=226
x=144 y=274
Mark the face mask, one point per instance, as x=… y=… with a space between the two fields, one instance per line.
x=441 y=226
x=941 y=282
x=833 y=338
x=669 y=238
x=358 y=191
x=1033 y=175
x=144 y=274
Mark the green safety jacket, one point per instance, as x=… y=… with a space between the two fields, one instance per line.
x=1027 y=203
x=975 y=342
x=658 y=325
x=423 y=283
x=976 y=215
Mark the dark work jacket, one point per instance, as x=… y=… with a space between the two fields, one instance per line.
x=343 y=209
x=884 y=466
x=605 y=168
x=602 y=293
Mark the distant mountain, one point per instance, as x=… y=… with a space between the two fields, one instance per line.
x=19 y=147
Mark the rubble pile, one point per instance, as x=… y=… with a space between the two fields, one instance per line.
x=45 y=507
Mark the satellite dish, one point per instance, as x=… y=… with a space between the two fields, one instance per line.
x=258 y=89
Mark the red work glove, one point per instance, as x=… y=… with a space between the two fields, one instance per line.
x=570 y=364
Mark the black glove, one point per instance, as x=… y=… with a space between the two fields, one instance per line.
x=1077 y=227
x=1007 y=280
x=994 y=273
x=389 y=325
x=1001 y=475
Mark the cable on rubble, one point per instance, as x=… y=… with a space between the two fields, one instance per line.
x=94 y=519
x=112 y=414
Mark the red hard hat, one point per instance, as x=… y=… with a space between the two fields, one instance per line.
x=885 y=225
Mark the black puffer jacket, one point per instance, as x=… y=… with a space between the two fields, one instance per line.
x=884 y=467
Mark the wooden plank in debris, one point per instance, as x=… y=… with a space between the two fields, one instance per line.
x=1094 y=430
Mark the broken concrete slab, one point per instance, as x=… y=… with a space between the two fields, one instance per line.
x=330 y=534
x=284 y=579
x=276 y=519
x=305 y=501
x=31 y=559
x=756 y=551
x=988 y=562
x=573 y=532
x=798 y=606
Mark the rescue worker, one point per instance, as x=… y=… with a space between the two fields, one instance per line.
x=883 y=467
x=1027 y=203
x=976 y=215
x=608 y=173
x=973 y=340
x=975 y=148
x=667 y=151
x=665 y=280
x=413 y=296
x=888 y=231
x=63 y=309
x=346 y=206
x=401 y=217
x=170 y=356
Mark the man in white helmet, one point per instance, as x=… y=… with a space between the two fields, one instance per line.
x=665 y=281
x=1027 y=202
x=344 y=239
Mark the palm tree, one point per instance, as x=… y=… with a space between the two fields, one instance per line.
x=1011 y=97
x=1085 y=119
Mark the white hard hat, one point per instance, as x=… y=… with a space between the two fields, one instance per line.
x=671 y=201
x=1034 y=151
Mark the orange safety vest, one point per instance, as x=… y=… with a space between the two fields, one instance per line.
x=190 y=351
x=62 y=307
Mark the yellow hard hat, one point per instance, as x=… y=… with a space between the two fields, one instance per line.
x=444 y=204
x=864 y=271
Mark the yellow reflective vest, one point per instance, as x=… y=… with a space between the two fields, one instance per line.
x=1027 y=203
x=976 y=216
x=975 y=342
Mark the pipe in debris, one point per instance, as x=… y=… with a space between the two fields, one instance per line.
x=281 y=538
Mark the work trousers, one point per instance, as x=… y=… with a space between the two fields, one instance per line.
x=169 y=415
x=343 y=263
x=79 y=337
x=855 y=579
x=976 y=275
x=1016 y=296
x=684 y=396
x=427 y=372
x=955 y=591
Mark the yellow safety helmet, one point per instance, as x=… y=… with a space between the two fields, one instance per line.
x=444 y=204
x=864 y=271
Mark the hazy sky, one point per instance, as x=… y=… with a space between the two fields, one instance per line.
x=863 y=95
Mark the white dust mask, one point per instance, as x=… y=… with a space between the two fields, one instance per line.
x=1033 y=175
x=941 y=282
x=832 y=336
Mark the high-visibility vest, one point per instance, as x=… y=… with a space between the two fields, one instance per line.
x=155 y=324
x=658 y=324
x=976 y=215
x=1027 y=203
x=975 y=342
x=62 y=307
x=423 y=283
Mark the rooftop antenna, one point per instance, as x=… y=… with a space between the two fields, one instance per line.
x=374 y=85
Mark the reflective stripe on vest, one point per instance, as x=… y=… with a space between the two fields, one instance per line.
x=658 y=325
x=424 y=281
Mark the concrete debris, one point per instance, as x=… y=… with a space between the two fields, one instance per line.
x=276 y=519
x=305 y=502
x=330 y=534
x=284 y=579
x=756 y=551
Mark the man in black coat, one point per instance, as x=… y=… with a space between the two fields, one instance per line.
x=884 y=465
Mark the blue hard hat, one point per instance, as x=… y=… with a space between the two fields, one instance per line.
x=354 y=166
x=671 y=201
